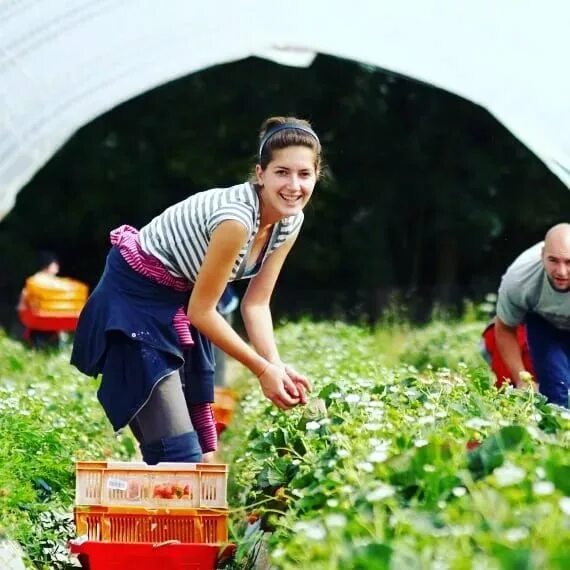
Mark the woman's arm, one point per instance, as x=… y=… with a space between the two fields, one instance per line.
x=255 y=309
x=225 y=245
x=257 y=318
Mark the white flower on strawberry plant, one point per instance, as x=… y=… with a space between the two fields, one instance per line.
x=540 y=472
x=335 y=520
x=534 y=432
x=312 y=530
x=425 y=420
x=564 y=504
x=312 y=426
x=421 y=442
x=352 y=399
x=459 y=491
x=516 y=534
x=477 y=423
x=380 y=493
x=372 y=426
x=378 y=456
x=365 y=466
x=542 y=488
x=441 y=414
x=278 y=552
x=508 y=475
x=565 y=414
x=332 y=503
x=335 y=395
x=342 y=453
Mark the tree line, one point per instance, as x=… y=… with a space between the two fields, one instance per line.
x=426 y=197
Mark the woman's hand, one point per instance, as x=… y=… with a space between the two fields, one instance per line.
x=278 y=387
x=301 y=383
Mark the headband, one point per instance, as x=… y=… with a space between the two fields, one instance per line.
x=282 y=127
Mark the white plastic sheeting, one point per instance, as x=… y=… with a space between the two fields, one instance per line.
x=64 y=62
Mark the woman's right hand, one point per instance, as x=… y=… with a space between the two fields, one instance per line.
x=278 y=387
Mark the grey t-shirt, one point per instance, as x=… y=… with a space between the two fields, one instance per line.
x=525 y=288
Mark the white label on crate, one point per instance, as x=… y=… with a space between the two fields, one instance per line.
x=117 y=484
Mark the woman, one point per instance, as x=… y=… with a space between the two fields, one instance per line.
x=134 y=331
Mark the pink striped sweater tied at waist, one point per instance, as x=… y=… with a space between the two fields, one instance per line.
x=126 y=239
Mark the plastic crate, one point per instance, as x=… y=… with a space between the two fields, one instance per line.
x=223 y=407
x=138 y=524
x=143 y=556
x=184 y=485
x=48 y=322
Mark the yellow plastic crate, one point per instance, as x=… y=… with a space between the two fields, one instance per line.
x=180 y=485
x=139 y=524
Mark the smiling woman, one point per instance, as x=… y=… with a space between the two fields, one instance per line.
x=149 y=324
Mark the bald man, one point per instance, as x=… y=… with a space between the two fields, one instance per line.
x=536 y=290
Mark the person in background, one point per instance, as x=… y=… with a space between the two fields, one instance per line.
x=49 y=266
x=535 y=290
x=229 y=302
x=149 y=325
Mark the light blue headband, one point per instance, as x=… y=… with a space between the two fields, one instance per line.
x=282 y=127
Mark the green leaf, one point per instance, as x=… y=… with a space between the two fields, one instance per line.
x=375 y=556
x=490 y=454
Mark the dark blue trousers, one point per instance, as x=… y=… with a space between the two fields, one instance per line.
x=550 y=353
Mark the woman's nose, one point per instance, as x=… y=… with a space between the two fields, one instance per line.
x=294 y=182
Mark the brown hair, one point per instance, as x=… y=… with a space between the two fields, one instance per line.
x=290 y=136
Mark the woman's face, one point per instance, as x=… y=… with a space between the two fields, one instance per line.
x=288 y=181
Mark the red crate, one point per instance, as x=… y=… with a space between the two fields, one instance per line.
x=48 y=322
x=145 y=556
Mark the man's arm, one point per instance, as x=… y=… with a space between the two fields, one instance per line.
x=510 y=351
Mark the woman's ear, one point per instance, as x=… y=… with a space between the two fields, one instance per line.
x=259 y=174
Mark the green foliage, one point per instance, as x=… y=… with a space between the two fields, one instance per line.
x=49 y=417
x=388 y=466
x=444 y=344
x=397 y=468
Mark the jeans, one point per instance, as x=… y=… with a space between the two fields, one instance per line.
x=550 y=353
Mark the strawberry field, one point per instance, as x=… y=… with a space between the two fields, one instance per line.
x=405 y=457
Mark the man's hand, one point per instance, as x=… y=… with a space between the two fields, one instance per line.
x=526 y=380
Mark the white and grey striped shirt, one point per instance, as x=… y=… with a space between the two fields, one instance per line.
x=179 y=237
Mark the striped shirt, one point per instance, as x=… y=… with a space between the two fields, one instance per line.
x=180 y=236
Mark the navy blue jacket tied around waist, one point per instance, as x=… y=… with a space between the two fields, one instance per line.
x=125 y=333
